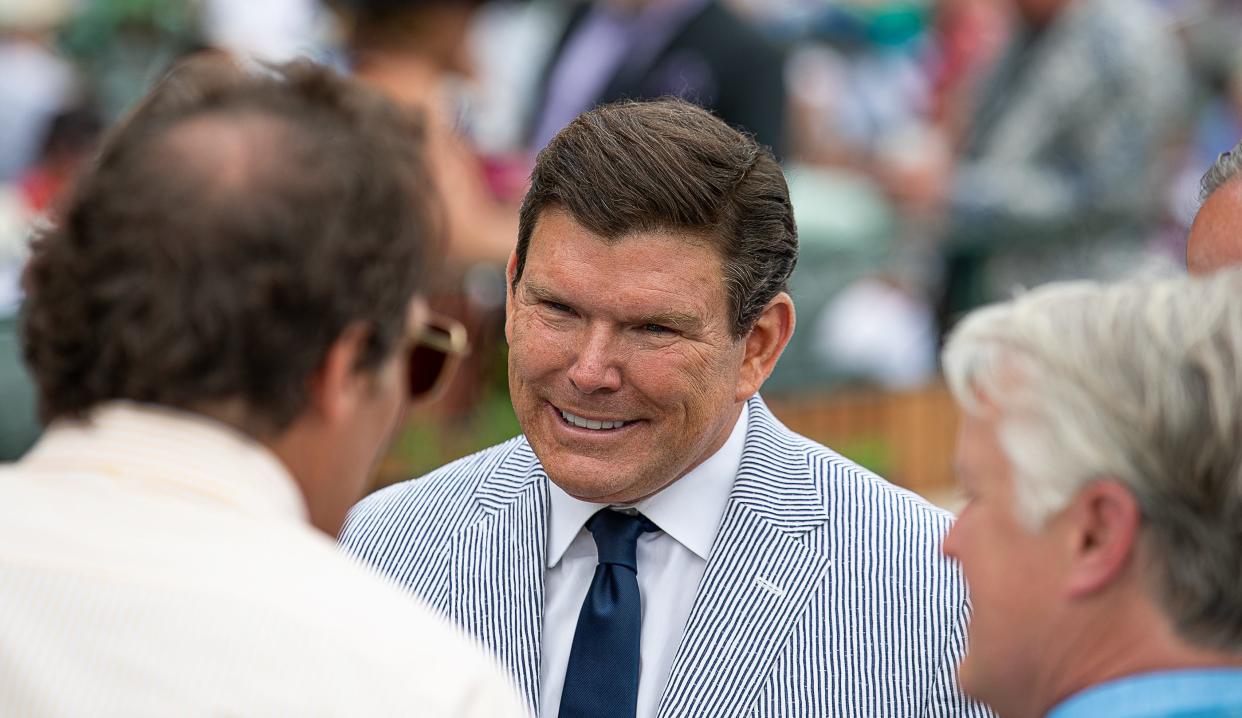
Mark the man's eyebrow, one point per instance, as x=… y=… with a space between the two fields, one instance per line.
x=539 y=292
x=674 y=320
x=681 y=321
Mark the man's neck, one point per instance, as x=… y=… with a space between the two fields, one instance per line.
x=1108 y=646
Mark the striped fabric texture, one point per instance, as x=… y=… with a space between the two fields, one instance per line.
x=825 y=593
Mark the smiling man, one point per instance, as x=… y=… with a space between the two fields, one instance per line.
x=657 y=543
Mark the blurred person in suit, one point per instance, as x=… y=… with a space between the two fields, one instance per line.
x=698 y=50
x=656 y=542
x=1102 y=533
x=1060 y=169
x=224 y=326
x=416 y=53
x=1215 y=237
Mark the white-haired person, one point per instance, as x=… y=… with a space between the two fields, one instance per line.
x=1101 y=455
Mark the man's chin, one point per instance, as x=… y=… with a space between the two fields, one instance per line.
x=594 y=480
x=587 y=486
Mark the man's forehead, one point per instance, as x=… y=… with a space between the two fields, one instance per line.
x=649 y=274
x=980 y=450
x=560 y=240
x=1215 y=238
x=556 y=222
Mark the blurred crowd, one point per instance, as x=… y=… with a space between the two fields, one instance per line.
x=941 y=153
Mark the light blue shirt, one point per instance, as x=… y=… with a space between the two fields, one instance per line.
x=1203 y=693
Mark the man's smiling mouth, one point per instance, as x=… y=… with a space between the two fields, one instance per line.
x=593 y=424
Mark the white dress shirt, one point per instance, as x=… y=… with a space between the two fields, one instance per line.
x=158 y=563
x=670 y=565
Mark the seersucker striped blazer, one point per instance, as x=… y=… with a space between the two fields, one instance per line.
x=825 y=594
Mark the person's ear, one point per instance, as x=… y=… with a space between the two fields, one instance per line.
x=510 y=272
x=764 y=344
x=1103 y=523
x=337 y=388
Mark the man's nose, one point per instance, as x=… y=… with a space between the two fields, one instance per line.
x=595 y=368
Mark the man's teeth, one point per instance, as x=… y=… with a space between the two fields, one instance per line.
x=581 y=423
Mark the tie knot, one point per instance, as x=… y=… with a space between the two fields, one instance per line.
x=616 y=536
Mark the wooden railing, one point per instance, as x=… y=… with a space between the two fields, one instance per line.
x=907 y=437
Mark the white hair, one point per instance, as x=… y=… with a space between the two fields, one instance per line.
x=1140 y=382
x=1225 y=169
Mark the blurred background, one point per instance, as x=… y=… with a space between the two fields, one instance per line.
x=941 y=154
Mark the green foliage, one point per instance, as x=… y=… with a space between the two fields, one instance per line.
x=428 y=441
x=122 y=46
x=101 y=23
x=873 y=453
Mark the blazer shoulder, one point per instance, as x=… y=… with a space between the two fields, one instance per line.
x=843 y=481
x=410 y=510
x=844 y=488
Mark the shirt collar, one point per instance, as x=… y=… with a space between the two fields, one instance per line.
x=1193 y=692
x=169 y=450
x=689 y=510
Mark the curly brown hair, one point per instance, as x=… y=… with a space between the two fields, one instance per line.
x=233 y=226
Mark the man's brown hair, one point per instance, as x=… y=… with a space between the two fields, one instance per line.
x=670 y=166
x=230 y=231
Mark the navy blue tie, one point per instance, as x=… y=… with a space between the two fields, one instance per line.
x=601 y=680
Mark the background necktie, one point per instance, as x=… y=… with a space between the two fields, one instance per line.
x=601 y=680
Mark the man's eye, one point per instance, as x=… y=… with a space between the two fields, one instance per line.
x=558 y=307
x=656 y=329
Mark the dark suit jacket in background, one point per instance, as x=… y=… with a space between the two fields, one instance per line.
x=716 y=60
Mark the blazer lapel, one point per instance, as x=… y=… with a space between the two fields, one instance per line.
x=496 y=567
x=759 y=577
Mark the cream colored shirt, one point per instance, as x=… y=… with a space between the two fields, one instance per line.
x=671 y=562
x=156 y=563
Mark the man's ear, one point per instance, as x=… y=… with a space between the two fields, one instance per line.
x=764 y=344
x=1104 y=522
x=510 y=272
x=336 y=387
